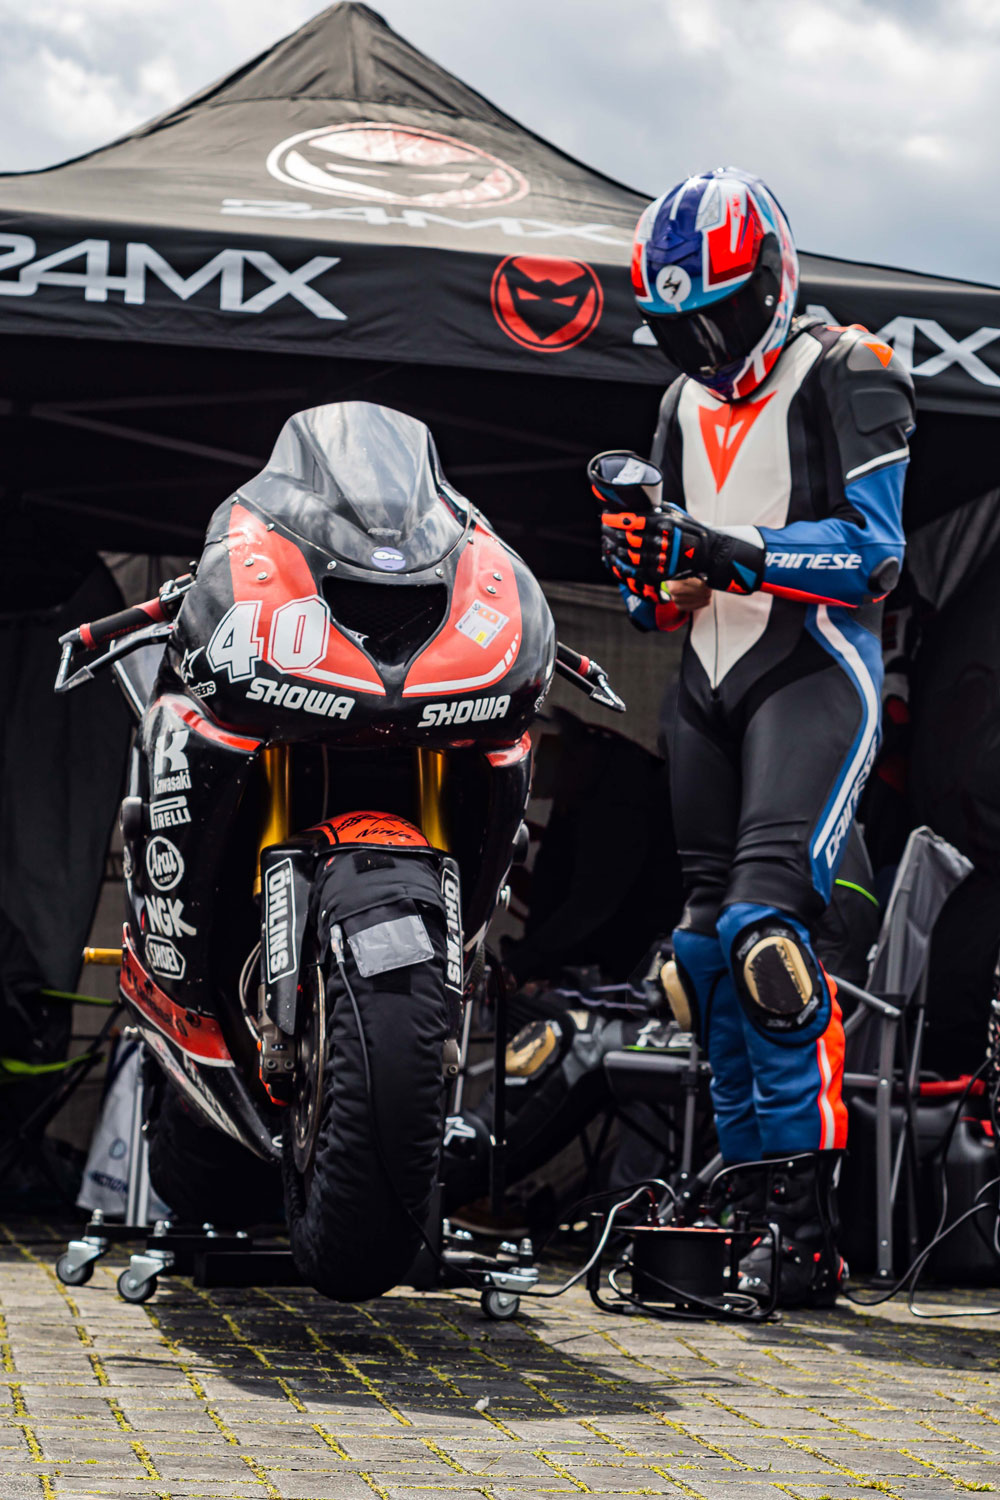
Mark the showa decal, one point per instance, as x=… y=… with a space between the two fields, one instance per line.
x=300 y=631
x=482 y=623
x=468 y=711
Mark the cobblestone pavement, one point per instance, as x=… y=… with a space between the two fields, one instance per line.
x=284 y=1396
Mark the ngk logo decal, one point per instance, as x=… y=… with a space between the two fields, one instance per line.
x=279 y=921
x=385 y=163
x=238 y=281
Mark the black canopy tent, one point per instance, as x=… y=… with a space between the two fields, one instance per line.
x=342 y=217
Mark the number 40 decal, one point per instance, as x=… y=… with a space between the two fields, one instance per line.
x=299 y=633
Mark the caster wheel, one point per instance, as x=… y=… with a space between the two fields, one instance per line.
x=499 y=1305
x=73 y=1275
x=134 y=1290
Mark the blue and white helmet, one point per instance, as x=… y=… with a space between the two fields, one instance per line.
x=716 y=275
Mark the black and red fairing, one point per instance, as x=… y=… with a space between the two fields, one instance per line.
x=356 y=596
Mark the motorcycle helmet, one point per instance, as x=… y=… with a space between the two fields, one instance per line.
x=715 y=275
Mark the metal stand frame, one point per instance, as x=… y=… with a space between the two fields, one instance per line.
x=448 y=1259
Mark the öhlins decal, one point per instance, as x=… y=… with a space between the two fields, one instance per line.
x=279 y=921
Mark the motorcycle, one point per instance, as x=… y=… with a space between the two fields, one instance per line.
x=325 y=796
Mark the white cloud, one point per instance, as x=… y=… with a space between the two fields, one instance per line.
x=875 y=121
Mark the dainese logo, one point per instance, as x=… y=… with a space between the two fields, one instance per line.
x=382 y=163
x=546 y=303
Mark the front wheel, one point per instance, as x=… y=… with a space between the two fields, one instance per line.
x=362 y=1149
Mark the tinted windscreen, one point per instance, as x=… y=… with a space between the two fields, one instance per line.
x=363 y=483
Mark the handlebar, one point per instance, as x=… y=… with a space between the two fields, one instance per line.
x=144 y=618
x=99 y=632
x=589 y=676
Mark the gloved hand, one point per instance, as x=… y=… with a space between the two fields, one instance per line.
x=645 y=551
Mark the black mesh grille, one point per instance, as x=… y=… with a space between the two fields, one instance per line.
x=395 y=619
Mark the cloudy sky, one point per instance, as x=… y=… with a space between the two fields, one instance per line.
x=877 y=122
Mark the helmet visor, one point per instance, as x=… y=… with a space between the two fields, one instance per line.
x=710 y=340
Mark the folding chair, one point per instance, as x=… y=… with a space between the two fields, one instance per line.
x=885 y=1031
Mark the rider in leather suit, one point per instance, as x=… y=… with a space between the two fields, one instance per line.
x=784 y=444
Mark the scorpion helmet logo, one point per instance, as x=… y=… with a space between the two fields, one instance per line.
x=546 y=303
x=382 y=163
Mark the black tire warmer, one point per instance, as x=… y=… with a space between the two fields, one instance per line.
x=354 y=1234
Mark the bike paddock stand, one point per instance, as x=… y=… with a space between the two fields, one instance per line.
x=210 y=1257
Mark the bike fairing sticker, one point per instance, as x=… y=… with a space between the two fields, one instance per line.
x=200 y=1037
x=279 y=921
x=164 y=863
x=482 y=623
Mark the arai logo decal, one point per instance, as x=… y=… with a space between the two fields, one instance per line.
x=388 y=559
x=164 y=864
x=384 y=163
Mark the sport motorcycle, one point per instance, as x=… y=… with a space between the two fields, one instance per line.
x=326 y=793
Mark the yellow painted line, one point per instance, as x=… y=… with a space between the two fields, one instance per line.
x=557 y=1468
x=692 y=1437
x=445 y=1458
x=605 y=1438
x=962 y=1484
x=260 y=1474
x=685 y=1489
x=142 y=1454
x=330 y=1440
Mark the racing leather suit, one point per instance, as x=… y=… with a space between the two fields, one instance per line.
x=778 y=712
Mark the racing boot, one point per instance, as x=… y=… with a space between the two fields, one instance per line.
x=799 y=1198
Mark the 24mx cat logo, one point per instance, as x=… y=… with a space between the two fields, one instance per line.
x=384 y=163
x=546 y=303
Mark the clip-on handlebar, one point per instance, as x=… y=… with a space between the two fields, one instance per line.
x=589 y=676
x=140 y=623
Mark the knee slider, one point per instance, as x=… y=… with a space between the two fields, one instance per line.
x=777 y=977
x=680 y=996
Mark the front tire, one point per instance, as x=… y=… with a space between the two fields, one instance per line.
x=357 y=1206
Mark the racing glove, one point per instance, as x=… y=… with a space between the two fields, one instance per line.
x=645 y=551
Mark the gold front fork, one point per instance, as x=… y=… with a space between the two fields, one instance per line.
x=274 y=828
x=430 y=797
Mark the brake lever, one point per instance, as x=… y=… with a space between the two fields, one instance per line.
x=589 y=676
x=64 y=683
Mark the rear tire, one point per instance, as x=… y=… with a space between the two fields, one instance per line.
x=354 y=1231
